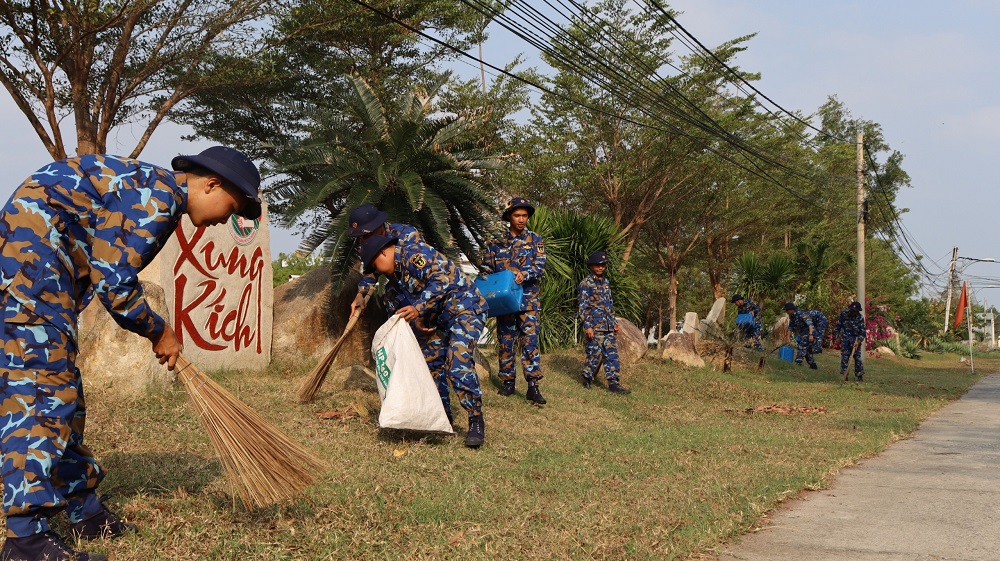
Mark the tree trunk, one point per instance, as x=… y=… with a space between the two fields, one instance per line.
x=659 y=318
x=672 y=300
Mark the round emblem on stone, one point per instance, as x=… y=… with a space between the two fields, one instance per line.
x=243 y=230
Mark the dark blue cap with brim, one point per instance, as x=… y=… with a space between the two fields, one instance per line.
x=598 y=258
x=371 y=247
x=235 y=167
x=364 y=220
x=517 y=202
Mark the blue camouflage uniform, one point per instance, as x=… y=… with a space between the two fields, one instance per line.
x=405 y=234
x=751 y=330
x=799 y=324
x=76 y=229
x=819 y=329
x=597 y=313
x=524 y=253
x=850 y=329
x=447 y=301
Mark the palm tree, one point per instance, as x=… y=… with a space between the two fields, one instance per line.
x=419 y=166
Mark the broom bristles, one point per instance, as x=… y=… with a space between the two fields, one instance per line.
x=316 y=377
x=263 y=465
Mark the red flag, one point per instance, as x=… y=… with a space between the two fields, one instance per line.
x=963 y=301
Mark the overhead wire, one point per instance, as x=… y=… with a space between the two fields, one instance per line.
x=527 y=14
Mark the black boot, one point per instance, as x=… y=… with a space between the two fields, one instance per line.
x=861 y=377
x=507 y=388
x=587 y=383
x=104 y=524
x=47 y=545
x=477 y=432
x=813 y=366
x=534 y=395
x=615 y=387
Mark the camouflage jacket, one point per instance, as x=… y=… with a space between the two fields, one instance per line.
x=432 y=283
x=82 y=227
x=596 y=304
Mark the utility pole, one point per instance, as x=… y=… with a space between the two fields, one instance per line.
x=861 y=223
x=951 y=277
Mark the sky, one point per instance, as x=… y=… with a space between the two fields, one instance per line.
x=927 y=72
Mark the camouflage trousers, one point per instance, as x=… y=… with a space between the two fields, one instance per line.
x=602 y=346
x=449 y=355
x=46 y=466
x=804 y=349
x=520 y=327
x=846 y=346
x=818 y=333
x=751 y=334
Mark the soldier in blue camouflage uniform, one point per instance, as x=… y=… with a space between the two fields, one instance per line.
x=801 y=325
x=522 y=252
x=436 y=296
x=366 y=221
x=850 y=329
x=750 y=331
x=820 y=324
x=76 y=229
x=600 y=325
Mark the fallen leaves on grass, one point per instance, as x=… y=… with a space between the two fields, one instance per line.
x=781 y=409
x=344 y=413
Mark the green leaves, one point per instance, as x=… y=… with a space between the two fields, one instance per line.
x=421 y=170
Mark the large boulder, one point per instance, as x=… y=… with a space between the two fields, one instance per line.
x=309 y=318
x=717 y=311
x=780 y=335
x=632 y=343
x=680 y=347
x=691 y=325
x=114 y=358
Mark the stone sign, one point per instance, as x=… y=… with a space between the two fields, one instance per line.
x=218 y=283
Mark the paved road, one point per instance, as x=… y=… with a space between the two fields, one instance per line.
x=935 y=496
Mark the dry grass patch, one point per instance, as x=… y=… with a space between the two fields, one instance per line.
x=668 y=472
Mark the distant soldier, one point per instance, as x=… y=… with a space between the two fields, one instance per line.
x=749 y=331
x=819 y=324
x=600 y=325
x=850 y=329
x=801 y=325
x=431 y=291
x=522 y=252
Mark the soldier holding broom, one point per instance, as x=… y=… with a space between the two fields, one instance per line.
x=76 y=229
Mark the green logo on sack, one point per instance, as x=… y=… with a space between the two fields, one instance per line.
x=381 y=368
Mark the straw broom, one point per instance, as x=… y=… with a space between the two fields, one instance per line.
x=314 y=380
x=262 y=464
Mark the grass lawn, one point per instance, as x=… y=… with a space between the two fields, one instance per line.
x=669 y=472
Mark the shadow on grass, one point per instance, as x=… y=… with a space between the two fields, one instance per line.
x=401 y=436
x=157 y=474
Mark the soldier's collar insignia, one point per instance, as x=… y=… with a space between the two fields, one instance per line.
x=418 y=260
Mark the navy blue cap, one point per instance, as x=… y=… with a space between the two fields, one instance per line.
x=598 y=258
x=365 y=219
x=235 y=167
x=517 y=202
x=371 y=247
x=736 y=298
x=856 y=306
x=789 y=306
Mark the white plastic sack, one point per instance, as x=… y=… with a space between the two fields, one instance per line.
x=410 y=399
